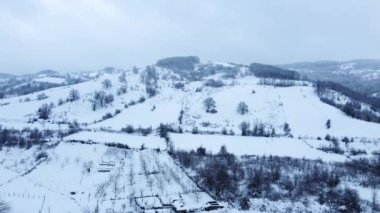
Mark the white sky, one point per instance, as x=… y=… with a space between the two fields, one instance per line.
x=74 y=35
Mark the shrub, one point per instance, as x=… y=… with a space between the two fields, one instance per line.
x=145 y=131
x=41 y=155
x=328 y=124
x=74 y=127
x=195 y=130
x=128 y=129
x=244 y=203
x=109 y=99
x=332 y=149
x=41 y=96
x=201 y=151
x=358 y=152
x=122 y=90
x=345 y=140
x=60 y=102
x=214 y=83
x=231 y=132
x=132 y=102
x=107 y=116
x=179 y=85
x=141 y=99
x=224 y=131
x=118 y=145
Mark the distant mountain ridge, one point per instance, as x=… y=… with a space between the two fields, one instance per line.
x=47 y=72
x=334 y=66
x=6 y=75
x=362 y=75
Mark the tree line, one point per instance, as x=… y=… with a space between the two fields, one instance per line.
x=24 y=138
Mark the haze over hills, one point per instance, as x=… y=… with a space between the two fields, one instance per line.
x=361 y=75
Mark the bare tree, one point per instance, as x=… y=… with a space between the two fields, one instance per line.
x=44 y=111
x=123 y=77
x=73 y=95
x=242 y=108
x=41 y=96
x=107 y=84
x=210 y=105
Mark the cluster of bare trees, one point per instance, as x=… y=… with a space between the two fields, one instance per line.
x=101 y=99
x=237 y=180
x=44 y=111
x=24 y=138
x=150 y=78
x=259 y=129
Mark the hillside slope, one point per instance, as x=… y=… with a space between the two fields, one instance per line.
x=273 y=106
x=143 y=140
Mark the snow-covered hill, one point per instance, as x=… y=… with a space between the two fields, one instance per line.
x=273 y=106
x=118 y=155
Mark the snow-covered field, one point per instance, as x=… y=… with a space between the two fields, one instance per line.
x=76 y=177
x=262 y=146
x=133 y=141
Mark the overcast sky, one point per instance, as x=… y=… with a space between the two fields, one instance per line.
x=74 y=35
